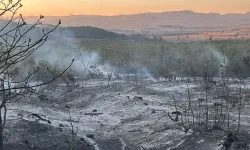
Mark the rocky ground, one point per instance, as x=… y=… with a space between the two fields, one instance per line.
x=115 y=117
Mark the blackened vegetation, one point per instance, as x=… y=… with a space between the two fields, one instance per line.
x=215 y=108
x=228 y=140
x=109 y=78
x=138 y=98
x=40 y=118
x=68 y=78
x=176 y=114
x=34 y=135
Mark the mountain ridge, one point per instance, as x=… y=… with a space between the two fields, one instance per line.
x=180 y=11
x=152 y=22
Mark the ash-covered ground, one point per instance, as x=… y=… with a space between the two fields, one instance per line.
x=119 y=116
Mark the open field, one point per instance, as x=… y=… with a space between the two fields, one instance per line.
x=242 y=33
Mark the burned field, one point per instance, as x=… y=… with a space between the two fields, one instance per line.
x=124 y=114
x=128 y=95
x=162 y=96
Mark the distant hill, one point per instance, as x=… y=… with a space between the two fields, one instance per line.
x=155 y=22
x=89 y=32
x=95 y=33
x=86 y=32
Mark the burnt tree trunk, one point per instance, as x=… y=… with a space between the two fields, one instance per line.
x=228 y=111
x=1 y=130
x=1 y=118
x=206 y=86
x=239 y=110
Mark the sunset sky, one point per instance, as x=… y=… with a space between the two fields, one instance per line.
x=116 y=7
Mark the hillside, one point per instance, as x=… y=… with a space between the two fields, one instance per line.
x=155 y=23
x=89 y=32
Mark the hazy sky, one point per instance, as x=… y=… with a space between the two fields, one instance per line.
x=115 y=7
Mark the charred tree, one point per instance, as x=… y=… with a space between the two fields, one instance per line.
x=16 y=46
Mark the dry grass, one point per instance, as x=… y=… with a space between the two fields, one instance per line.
x=243 y=33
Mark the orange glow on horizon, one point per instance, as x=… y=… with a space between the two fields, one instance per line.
x=117 y=7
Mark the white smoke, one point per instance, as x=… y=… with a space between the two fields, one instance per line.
x=84 y=59
x=61 y=52
x=221 y=58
